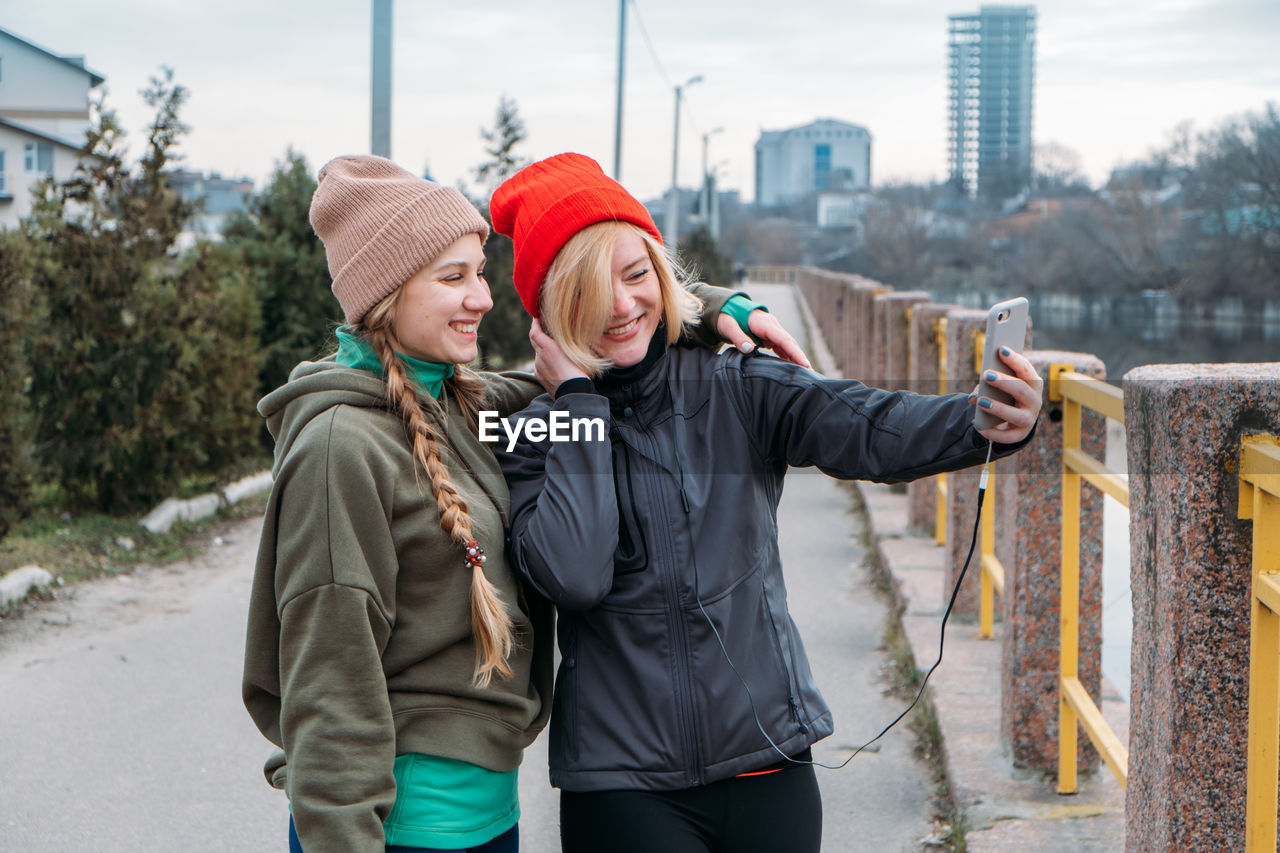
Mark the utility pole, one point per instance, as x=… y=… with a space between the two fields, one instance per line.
x=714 y=225
x=672 y=235
x=617 y=110
x=707 y=182
x=380 y=96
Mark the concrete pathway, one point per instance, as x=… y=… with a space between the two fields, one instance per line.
x=121 y=727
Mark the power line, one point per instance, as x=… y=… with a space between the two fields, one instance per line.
x=644 y=32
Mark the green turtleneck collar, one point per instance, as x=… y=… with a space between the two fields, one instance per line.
x=355 y=352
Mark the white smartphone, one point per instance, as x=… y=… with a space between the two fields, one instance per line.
x=1006 y=327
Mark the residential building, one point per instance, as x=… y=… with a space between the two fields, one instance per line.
x=801 y=162
x=219 y=196
x=991 y=77
x=844 y=209
x=44 y=112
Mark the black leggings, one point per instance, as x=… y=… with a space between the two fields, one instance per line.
x=771 y=813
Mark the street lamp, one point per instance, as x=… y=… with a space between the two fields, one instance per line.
x=673 y=203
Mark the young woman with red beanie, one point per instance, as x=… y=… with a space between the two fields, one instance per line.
x=392 y=655
x=684 y=705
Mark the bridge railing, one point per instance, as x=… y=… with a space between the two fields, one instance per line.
x=775 y=274
x=1260 y=503
x=1201 y=730
x=1077 y=393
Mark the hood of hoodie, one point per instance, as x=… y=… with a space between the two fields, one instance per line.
x=313 y=388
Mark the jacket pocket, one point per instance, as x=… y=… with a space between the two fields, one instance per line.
x=784 y=660
x=564 y=712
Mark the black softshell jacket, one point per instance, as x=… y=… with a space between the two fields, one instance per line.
x=647 y=539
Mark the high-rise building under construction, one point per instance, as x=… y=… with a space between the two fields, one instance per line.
x=991 y=77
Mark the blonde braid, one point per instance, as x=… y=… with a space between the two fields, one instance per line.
x=490 y=622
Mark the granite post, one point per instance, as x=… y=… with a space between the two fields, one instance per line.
x=1028 y=491
x=1190 y=562
x=863 y=329
x=842 y=321
x=892 y=336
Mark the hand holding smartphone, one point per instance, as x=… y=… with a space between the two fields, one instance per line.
x=1006 y=327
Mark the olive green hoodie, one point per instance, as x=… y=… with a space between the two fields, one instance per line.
x=360 y=645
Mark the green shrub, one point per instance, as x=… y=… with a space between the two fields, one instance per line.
x=16 y=315
x=146 y=369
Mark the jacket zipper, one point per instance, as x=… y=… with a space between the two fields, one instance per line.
x=675 y=617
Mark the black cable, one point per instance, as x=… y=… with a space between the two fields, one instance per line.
x=955 y=592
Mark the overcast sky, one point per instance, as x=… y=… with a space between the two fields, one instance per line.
x=1112 y=79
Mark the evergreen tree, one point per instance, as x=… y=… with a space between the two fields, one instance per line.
x=506 y=134
x=145 y=371
x=701 y=257
x=504 y=333
x=287 y=265
x=16 y=316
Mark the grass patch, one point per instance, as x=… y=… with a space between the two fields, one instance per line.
x=78 y=547
x=905 y=678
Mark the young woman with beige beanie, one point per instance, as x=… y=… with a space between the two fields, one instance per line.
x=392 y=655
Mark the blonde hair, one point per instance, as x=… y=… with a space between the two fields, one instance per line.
x=577 y=294
x=493 y=628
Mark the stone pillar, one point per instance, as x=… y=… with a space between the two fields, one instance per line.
x=1028 y=492
x=851 y=330
x=892 y=337
x=810 y=290
x=806 y=286
x=1190 y=562
x=833 y=311
x=842 y=314
x=821 y=294
x=864 y=293
x=923 y=371
x=962 y=486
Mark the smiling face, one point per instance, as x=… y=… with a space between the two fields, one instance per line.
x=438 y=313
x=637 y=302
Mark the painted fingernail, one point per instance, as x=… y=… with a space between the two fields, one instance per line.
x=984 y=403
x=972 y=397
x=1004 y=350
x=746 y=346
x=990 y=376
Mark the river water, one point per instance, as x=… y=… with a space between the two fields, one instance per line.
x=1126 y=331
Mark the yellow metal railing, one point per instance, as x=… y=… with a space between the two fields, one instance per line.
x=940 y=518
x=992 y=577
x=992 y=574
x=1077 y=392
x=1260 y=501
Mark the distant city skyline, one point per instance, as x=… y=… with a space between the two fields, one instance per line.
x=1111 y=83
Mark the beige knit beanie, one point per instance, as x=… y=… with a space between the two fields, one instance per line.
x=380 y=225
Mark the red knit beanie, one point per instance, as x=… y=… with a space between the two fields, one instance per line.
x=546 y=203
